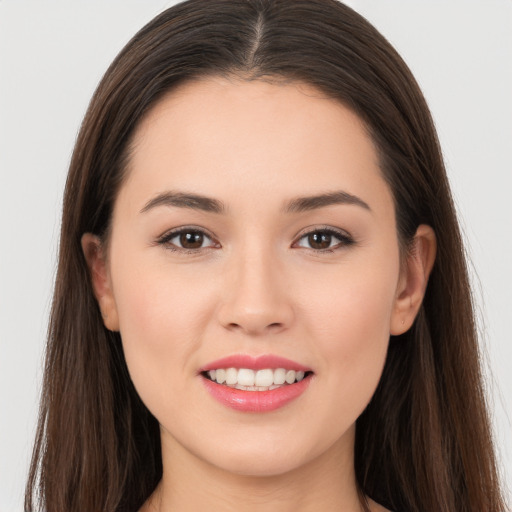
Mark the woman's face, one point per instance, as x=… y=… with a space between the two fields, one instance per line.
x=254 y=224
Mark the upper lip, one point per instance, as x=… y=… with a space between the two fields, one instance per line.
x=254 y=363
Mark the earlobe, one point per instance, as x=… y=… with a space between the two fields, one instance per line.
x=414 y=279
x=100 y=279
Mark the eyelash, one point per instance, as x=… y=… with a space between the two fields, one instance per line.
x=166 y=238
x=345 y=240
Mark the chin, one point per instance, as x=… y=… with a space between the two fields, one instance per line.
x=266 y=457
x=260 y=466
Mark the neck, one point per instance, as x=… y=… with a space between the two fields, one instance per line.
x=325 y=483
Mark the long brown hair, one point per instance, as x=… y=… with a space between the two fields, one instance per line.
x=424 y=442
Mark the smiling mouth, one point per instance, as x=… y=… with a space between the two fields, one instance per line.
x=246 y=379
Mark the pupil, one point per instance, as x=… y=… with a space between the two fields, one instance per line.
x=320 y=240
x=191 y=240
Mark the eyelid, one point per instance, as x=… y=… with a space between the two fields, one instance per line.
x=345 y=238
x=166 y=237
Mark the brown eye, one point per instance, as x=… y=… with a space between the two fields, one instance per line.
x=191 y=239
x=326 y=240
x=319 y=240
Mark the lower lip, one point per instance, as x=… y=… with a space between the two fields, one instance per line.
x=256 y=401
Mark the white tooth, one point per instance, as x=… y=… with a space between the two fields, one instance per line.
x=239 y=386
x=279 y=376
x=220 y=376
x=299 y=376
x=275 y=386
x=290 y=376
x=231 y=376
x=246 y=377
x=211 y=373
x=264 y=378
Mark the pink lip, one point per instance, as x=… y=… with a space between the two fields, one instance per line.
x=254 y=363
x=256 y=401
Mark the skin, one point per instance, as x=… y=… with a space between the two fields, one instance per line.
x=256 y=286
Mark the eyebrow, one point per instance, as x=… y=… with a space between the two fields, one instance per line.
x=208 y=204
x=185 y=200
x=303 y=204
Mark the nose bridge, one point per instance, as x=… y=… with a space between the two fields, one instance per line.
x=256 y=301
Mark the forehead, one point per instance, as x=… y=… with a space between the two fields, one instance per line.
x=285 y=109
x=222 y=136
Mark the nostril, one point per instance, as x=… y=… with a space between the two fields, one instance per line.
x=235 y=317
x=274 y=325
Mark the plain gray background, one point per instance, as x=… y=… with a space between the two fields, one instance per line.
x=53 y=53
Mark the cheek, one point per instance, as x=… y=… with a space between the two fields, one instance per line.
x=161 y=316
x=350 y=320
x=352 y=301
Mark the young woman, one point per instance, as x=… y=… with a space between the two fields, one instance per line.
x=262 y=301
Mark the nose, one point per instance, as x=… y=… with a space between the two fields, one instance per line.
x=256 y=298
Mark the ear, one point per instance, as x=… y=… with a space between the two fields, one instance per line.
x=413 y=280
x=100 y=278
